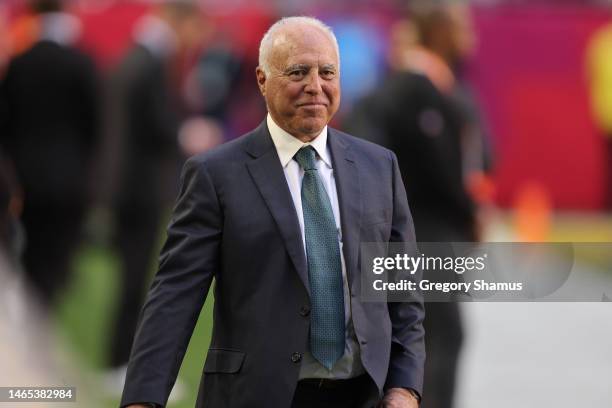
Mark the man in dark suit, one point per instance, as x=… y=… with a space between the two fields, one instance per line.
x=143 y=139
x=49 y=130
x=277 y=218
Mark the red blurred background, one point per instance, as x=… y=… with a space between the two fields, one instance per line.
x=529 y=74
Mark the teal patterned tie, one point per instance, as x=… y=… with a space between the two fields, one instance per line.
x=324 y=265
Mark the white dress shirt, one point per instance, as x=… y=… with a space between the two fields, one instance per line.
x=287 y=146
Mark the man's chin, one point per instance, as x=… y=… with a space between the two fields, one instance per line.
x=312 y=131
x=313 y=125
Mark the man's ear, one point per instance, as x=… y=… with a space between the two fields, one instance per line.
x=261 y=80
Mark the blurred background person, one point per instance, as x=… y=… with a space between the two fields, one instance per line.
x=11 y=204
x=48 y=128
x=212 y=83
x=599 y=69
x=219 y=88
x=211 y=87
x=28 y=349
x=423 y=113
x=23 y=329
x=144 y=127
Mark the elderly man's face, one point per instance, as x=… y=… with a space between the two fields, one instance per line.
x=302 y=91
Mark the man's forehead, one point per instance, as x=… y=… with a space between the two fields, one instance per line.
x=301 y=32
x=310 y=60
x=303 y=42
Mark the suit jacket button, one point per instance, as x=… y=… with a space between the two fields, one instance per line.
x=296 y=357
x=304 y=311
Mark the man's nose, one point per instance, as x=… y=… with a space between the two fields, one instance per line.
x=313 y=84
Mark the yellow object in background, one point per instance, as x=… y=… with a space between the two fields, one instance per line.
x=599 y=60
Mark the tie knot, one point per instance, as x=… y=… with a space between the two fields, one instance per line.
x=306 y=158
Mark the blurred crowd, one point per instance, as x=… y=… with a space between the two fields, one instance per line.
x=85 y=133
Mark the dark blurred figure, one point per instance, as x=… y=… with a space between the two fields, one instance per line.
x=212 y=87
x=423 y=114
x=217 y=75
x=11 y=204
x=599 y=68
x=145 y=120
x=48 y=129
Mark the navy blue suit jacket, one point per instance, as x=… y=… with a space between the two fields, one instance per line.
x=235 y=221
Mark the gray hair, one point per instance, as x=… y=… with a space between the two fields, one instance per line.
x=267 y=40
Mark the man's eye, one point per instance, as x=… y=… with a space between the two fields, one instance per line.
x=297 y=74
x=328 y=74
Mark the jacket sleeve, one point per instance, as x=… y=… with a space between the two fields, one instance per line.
x=406 y=365
x=188 y=263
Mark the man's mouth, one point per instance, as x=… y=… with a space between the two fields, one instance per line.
x=311 y=104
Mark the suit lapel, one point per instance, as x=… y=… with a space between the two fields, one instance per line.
x=349 y=200
x=269 y=178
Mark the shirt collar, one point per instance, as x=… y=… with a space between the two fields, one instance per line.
x=288 y=145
